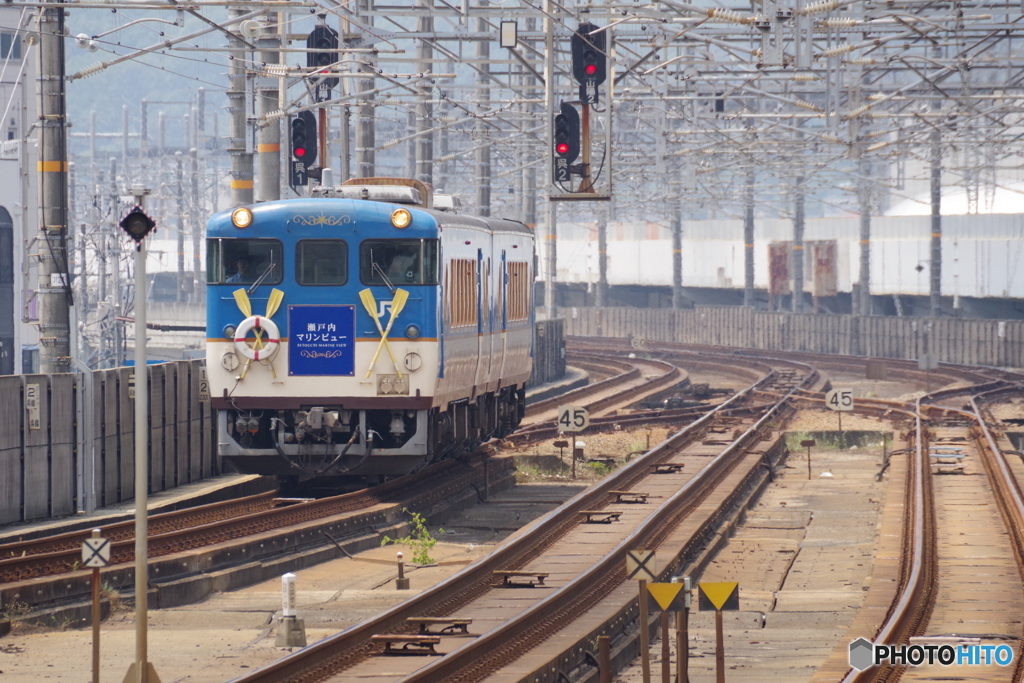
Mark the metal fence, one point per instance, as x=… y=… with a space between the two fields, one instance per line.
x=67 y=442
x=952 y=340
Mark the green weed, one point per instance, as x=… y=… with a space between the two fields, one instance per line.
x=420 y=540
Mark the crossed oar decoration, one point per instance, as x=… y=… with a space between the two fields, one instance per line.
x=273 y=303
x=397 y=304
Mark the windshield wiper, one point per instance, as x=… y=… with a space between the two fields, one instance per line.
x=384 y=277
x=261 y=278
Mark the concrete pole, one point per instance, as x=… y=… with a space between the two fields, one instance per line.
x=550 y=250
x=179 y=195
x=602 y=258
x=864 y=198
x=111 y=253
x=345 y=165
x=798 y=246
x=241 y=160
x=161 y=134
x=424 y=123
x=530 y=173
x=936 y=192
x=102 y=241
x=140 y=670
x=54 y=291
x=366 y=154
x=268 y=149
x=748 y=241
x=410 y=144
x=677 y=256
x=125 y=137
x=483 y=153
x=143 y=128
x=551 y=276
x=195 y=219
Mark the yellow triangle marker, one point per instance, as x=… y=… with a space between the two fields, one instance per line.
x=664 y=593
x=718 y=593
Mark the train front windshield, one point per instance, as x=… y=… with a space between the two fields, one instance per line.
x=243 y=261
x=398 y=262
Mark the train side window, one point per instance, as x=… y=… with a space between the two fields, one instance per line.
x=238 y=261
x=321 y=262
x=518 y=290
x=462 y=292
x=398 y=262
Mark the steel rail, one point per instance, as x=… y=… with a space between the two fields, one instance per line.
x=324 y=658
x=672 y=375
x=472 y=660
x=432 y=481
x=166 y=521
x=914 y=604
x=1008 y=496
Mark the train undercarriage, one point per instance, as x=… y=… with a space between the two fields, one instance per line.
x=334 y=440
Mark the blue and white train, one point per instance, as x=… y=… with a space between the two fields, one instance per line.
x=362 y=332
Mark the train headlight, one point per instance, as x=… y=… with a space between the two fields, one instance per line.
x=241 y=218
x=412 y=331
x=229 y=331
x=401 y=218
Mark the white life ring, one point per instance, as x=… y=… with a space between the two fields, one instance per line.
x=270 y=343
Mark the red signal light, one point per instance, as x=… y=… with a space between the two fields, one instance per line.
x=562 y=148
x=300 y=151
x=591 y=69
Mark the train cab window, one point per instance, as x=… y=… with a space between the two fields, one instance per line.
x=398 y=262
x=235 y=261
x=321 y=262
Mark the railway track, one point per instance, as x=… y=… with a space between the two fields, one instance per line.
x=691 y=482
x=545 y=632
x=222 y=531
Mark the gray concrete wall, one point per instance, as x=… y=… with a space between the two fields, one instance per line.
x=548 y=351
x=953 y=340
x=41 y=462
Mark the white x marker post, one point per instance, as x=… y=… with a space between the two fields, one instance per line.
x=640 y=565
x=96 y=554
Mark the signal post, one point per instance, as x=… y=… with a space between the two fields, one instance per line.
x=572 y=128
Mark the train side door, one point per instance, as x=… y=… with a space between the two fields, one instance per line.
x=481 y=309
x=502 y=294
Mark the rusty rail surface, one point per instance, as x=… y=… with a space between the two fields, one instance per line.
x=917 y=589
x=180 y=538
x=672 y=375
x=158 y=524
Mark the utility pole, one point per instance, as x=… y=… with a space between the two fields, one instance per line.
x=241 y=158
x=424 y=135
x=677 y=256
x=864 y=197
x=366 y=155
x=141 y=670
x=936 y=196
x=179 y=195
x=798 y=244
x=195 y=218
x=748 y=240
x=483 y=152
x=54 y=287
x=550 y=249
x=602 y=255
x=268 y=148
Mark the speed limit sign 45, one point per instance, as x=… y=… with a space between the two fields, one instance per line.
x=573 y=418
x=839 y=399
